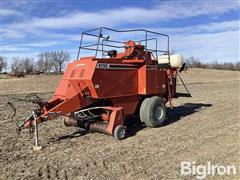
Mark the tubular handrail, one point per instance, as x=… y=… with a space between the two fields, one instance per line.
x=102 y=39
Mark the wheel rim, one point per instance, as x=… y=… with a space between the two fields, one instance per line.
x=122 y=133
x=159 y=113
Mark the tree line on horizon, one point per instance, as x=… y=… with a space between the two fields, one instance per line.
x=55 y=61
x=193 y=62
x=47 y=62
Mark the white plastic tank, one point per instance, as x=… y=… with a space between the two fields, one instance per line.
x=176 y=60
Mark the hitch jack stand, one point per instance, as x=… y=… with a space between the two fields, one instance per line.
x=36 y=147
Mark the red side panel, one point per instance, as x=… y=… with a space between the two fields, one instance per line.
x=156 y=81
x=115 y=82
x=151 y=80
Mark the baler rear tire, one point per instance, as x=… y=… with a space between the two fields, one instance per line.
x=154 y=112
x=120 y=132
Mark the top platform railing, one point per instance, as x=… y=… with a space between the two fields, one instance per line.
x=106 y=41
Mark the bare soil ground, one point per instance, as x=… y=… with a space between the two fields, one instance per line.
x=200 y=129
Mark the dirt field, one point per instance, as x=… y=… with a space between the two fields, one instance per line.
x=200 y=129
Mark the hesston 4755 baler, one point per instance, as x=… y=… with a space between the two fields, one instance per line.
x=98 y=92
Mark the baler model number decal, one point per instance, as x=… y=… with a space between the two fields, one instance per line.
x=80 y=65
x=103 y=66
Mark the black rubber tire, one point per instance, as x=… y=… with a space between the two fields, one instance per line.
x=154 y=112
x=142 y=113
x=120 y=132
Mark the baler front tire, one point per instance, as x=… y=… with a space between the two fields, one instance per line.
x=154 y=112
x=120 y=132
